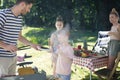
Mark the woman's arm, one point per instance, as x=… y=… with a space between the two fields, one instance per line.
x=118 y=29
x=51 y=42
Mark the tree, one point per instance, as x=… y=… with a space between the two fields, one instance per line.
x=1 y=2
x=81 y=14
x=103 y=8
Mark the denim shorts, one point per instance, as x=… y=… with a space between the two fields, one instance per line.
x=113 y=47
x=64 y=77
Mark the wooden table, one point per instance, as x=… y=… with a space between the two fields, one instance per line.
x=91 y=63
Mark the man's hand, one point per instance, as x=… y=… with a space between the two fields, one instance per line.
x=11 y=48
x=35 y=46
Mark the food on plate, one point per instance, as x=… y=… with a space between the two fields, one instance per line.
x=84 y=55
x=77 y=52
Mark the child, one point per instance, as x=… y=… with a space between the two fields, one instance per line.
x=54 y=41
x=65 y=56
x=114 y=33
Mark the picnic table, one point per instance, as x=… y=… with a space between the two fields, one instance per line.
x=91 y=63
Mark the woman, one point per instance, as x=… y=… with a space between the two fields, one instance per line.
x=114 y=33
x=54 y=41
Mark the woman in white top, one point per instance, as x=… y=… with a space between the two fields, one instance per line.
x=59 y=24
x=114 y=33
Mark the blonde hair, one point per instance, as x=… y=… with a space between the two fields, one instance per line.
x=114 y=12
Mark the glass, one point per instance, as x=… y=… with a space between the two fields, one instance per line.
x=71 y=43
x=79 y=46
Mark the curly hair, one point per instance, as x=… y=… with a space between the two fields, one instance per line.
x=114 y=12
x=26 y=1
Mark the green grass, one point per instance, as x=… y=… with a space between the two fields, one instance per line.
x=42 y=59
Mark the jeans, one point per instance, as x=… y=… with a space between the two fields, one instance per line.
x=64 y=77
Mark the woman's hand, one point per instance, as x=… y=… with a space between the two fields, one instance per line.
x=110 y=33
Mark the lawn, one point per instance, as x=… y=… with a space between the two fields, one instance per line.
x=42 y=59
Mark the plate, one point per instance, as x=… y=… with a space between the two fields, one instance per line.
x=44 y=49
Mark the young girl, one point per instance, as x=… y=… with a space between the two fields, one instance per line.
x=65 y=56
x=54 y=41
x=114 y=33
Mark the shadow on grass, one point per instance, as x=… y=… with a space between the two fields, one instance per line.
x=81 y=73
x=87 y=77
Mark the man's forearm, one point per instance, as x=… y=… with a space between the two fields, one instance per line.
x=24 y=40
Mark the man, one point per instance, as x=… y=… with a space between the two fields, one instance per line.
x=10 y=32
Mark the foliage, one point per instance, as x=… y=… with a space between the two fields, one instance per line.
x=36 y=35
x=81 y=14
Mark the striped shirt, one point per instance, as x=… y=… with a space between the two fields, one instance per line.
x=10 y=27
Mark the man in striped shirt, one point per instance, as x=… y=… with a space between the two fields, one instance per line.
x=10 y=32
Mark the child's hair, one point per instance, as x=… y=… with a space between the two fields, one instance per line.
x=59 y=18
x=114 y=12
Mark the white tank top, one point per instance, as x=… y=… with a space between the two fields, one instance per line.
x=115 y=29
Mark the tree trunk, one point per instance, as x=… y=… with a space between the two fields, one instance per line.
x=102 y=16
